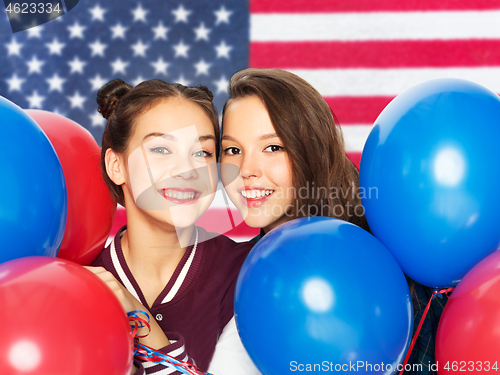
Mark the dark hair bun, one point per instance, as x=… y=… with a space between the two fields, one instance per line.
x=206 y=91
x=109 y=95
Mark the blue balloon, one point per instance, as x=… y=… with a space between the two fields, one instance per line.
x=33 y=201
x=429 y=179
x=323 y=292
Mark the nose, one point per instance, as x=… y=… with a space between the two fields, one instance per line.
x=250 y=167
x=184 y=168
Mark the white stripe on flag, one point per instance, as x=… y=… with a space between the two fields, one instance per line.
x=385 y=82
x=375 y=26
x=355 y=136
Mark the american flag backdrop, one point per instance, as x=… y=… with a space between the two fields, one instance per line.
x=358 y=53
x=60 y=65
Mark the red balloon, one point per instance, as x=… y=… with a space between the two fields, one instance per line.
x=468 y=337
x=90 y=206
x=119 y=221
x=60 y=319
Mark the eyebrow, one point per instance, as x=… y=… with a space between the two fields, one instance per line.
x=261 y=138
x=268 y=136
x=173 y=138
x=207 y=138
x=228 y=138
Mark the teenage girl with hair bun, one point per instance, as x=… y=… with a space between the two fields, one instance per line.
x=159 y=149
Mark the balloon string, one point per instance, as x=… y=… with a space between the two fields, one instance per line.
x=138 y=322
x=145 y=353
x=442 y=291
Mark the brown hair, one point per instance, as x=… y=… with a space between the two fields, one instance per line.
x=312 y=139
x=121 y=104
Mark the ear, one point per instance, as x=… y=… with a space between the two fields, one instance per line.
x=114 y=167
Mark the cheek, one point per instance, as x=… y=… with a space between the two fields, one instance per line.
x=138 y=176
x=229 y=160
x=209 y=176
x=280 y=173
x=230 y=174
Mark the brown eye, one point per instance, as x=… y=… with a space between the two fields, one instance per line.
x=273 y=148
x=232 y=151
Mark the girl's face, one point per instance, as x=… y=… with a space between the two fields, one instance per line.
x=171 y=171
x=264 y=192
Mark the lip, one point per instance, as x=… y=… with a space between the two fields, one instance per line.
x=254 y=202
x=197 y=195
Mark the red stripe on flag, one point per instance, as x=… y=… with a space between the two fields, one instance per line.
x=375 y=54
x=357 y=110
x=355 y=157
x=214 y=218
x=242 y=230
x=323 y=6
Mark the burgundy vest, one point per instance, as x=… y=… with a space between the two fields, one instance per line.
x=203 y=305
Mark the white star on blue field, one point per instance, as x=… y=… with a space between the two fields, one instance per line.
x=60 y=65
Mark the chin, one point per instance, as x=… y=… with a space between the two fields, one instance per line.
x=183 y=224
x=184 y=218
x=259 y=222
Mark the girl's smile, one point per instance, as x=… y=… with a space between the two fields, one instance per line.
x=180 y=195
x=253 y=196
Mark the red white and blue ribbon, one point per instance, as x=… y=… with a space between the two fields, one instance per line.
x=145 y=353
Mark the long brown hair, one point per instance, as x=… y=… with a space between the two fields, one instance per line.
x=313 y=141
x=121 y=104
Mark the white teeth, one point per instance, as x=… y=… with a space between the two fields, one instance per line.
x=179 y=194
x=252 y=194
